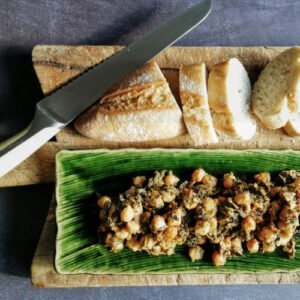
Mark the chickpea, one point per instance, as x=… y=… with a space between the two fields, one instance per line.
x=198 y=175
x=133 y=227
x=248 y=224
x=158 y=223
x=147 y=242
x=263 y=177
x=169 y=251
x=236 y=245
x=228 y=180
x=117 y=244
x=122 y=234
x=103 y=201
x=170 y=233
x=168 y=196
x=156 y=250
x=269 y=247
x=133 y=244
x=156 y=200
x=243 y=199
x=210 y=180
x=138 y=209
x=171 y=179
x=190 y=201
x=213 y=225
x=196 y=253
x=218 y=258
x=210 y=206
x=284 y=237
x=268 y=234
x=138 y=180
x=225 y=245
x=253 y=245
x=202 y=227
x=127 y=214
x=290 y=198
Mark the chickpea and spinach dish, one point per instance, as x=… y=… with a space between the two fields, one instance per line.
x=224 y=216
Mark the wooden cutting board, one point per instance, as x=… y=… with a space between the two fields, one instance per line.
x=43 y=273
x=55 y=65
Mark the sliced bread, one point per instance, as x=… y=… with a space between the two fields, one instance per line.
x=194 y=99
x=229 y=92
x=292 y=127
x=139 y=108
x=277 y=91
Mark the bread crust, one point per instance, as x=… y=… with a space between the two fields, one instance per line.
x=276 y=93
x=140 y=107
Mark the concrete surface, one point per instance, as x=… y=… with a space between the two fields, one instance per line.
x=25 y=23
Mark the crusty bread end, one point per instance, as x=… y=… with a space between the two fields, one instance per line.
x=276 y=93
x=139 y=108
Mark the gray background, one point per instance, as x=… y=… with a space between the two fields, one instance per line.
x=25 y=23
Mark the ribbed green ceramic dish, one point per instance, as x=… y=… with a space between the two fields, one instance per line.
x=82 y=173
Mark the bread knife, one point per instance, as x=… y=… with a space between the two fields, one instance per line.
x=58 y=109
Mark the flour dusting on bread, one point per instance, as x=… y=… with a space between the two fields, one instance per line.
x=141 y=107
x=276 y=93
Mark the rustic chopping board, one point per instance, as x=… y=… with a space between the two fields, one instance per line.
x=43 y=273
x=55 y=65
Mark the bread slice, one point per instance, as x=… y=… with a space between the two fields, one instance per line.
x=229 y=92
x=292 y=127
x=277 y=91
x=194 y=99
x=139 y=108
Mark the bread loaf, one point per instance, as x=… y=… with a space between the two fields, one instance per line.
x=194 y=99
x=276 y=94
x=139 y=108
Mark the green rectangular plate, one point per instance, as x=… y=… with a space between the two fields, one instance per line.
x=82 y=173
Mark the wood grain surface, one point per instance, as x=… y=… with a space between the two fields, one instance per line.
x=43 y=273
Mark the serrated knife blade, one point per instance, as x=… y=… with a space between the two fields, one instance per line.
x=60 y=108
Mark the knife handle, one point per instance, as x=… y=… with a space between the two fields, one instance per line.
x=19 y=147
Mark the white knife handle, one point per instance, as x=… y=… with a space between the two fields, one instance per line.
x=19 y=147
